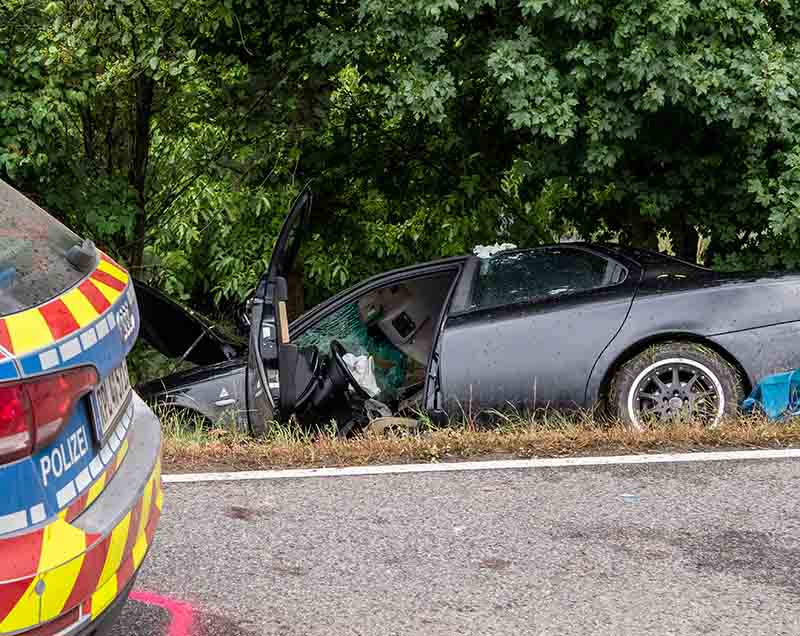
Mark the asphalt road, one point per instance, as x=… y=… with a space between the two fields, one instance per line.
x=710 y=548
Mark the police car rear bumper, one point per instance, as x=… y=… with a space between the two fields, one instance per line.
x=135 y=487
x=104 y=623
x=101 y=626
x=130 y=480
x=118 y=526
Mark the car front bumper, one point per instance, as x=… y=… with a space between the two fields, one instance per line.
x=85 y=567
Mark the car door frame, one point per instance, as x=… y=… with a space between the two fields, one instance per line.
x=456 y=264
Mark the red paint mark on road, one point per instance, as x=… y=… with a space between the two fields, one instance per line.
x=181 y=614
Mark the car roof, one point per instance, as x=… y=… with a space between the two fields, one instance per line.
x=655 y=263
x=652 y=263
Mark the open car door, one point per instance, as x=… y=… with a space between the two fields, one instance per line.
x=272 y=358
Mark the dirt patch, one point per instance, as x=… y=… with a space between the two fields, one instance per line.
x=246 y=514
x=498 y=565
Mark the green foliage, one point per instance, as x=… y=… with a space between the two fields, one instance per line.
x=181 y=130
x=214 y=249
x=101 y=207
x=659 y=114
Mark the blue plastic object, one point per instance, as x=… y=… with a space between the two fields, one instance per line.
x=7 y=276
x=778 y=396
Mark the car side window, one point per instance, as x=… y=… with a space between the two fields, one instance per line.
x=527 y=275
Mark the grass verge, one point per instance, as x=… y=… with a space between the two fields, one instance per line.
x=189 y=448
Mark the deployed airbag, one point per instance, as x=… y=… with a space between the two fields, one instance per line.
x=363 y=370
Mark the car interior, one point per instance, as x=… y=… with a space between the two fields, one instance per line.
x=367 y=358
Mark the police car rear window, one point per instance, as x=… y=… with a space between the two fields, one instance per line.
x=33 y=248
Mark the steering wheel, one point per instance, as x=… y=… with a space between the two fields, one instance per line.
x=337 y=353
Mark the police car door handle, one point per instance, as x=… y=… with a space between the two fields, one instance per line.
x=226 y=402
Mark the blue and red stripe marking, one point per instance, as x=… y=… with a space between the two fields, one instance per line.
x=106 y=353
x=8 y=369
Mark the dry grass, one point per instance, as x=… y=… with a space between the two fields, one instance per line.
x=188 y=448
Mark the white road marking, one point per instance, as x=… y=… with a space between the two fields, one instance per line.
x=510 y=464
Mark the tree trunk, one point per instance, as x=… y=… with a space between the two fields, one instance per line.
x=644 y=233
x=685 y=239
x=710 y=252
x=88 y=134
x=112 y=121
x=137 y=177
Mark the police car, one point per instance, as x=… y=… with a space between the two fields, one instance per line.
x=80 y=483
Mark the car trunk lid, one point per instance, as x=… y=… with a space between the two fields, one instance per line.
x=68 y=319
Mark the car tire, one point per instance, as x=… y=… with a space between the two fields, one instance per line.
x=644 y=390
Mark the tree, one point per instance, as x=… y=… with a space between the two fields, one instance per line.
x=176 y=132
x=122 y=91
x=658 y=115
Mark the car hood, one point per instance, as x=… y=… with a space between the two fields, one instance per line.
x=178 y=332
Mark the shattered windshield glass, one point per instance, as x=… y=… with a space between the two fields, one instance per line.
x=33 y=248
x=392 y=368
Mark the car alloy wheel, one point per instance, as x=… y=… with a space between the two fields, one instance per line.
x=676 y=389
x=675 y=381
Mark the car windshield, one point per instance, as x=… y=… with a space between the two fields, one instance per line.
x=33 y=248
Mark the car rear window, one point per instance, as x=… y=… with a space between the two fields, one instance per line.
x=528 y=275
x=33 y=248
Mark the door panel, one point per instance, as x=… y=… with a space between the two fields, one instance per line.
x=526 y=356
x=271 y=357
x=262 y=358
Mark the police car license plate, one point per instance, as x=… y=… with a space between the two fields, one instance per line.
x=111 y=397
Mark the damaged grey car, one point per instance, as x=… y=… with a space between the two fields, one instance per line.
x=560 y=326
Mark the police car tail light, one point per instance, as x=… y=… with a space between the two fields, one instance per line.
x=53 y=399
x=16 y=431
x=33 y=412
